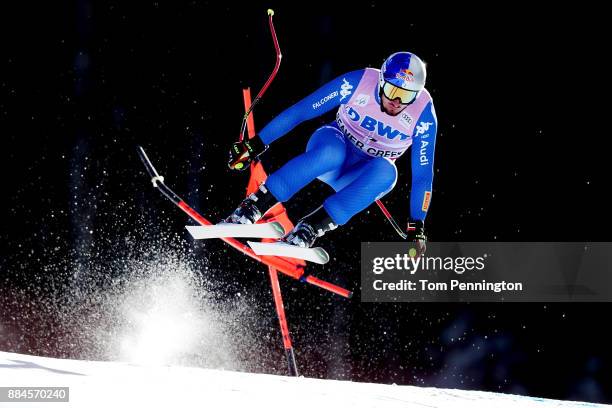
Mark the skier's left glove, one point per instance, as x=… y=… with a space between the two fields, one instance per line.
x=244 y=152
x=416 y=233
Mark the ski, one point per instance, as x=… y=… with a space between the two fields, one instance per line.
x=224 y=230
x=278 y=263
x=316 y=255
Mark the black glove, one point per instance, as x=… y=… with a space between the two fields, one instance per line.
x=243 y=153
x=416 y=233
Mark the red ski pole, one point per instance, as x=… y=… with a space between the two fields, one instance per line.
x=264 y=88
x=391 y=220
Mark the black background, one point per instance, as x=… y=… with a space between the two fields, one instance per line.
x=519 y=157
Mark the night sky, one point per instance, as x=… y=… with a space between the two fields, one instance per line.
x=519 y=157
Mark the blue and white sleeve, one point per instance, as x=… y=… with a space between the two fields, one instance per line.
x=324 y=99
x=423 y=147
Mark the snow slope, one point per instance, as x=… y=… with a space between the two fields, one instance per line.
x=115 y=384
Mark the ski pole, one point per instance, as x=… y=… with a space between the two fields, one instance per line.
x=279 y=56
x=280 y=312
x=391 y=220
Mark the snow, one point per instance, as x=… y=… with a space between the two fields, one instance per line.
x=104 y=384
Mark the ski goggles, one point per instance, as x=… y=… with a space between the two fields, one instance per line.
x=392 y=92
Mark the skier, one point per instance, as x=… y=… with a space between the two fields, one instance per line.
x=381 y=114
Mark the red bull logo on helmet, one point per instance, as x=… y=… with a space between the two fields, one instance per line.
x=405 y=75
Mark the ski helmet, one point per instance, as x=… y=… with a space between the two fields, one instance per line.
x=402 y=75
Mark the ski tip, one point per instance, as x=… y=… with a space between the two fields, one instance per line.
x=141 y=152
x=323 y=255
x=278 y=228
x=191 y=229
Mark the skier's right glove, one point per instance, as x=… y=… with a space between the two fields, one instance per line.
x=244 y=152
x=416 y=233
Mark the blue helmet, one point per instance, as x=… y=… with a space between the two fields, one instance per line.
x=402 y=75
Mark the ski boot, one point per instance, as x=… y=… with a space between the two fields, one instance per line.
x=309 y=228
x=252 y=208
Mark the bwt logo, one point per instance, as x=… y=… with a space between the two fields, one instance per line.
x=371 y=124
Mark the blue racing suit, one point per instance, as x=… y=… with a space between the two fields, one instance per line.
x=355 y=154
